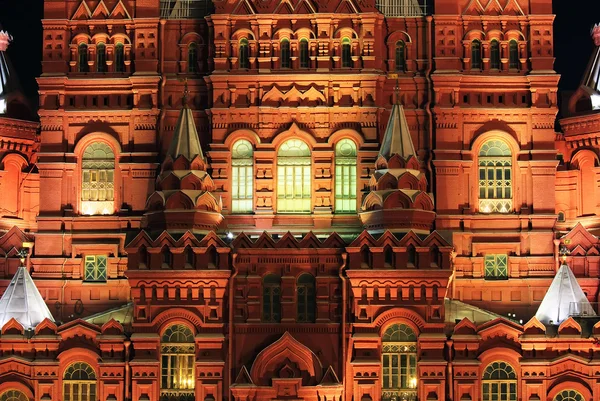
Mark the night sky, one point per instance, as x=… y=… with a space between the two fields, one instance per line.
x=571 y=33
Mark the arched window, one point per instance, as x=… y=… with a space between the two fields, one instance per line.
x=13 y=395
x=79 y=383
x=495 y=177
x=271 y=298
x=244 y=61
x=98 y=179
x=513 y=54
x=499 y=382
x=82 y=55
x=101 y=57
x=346 y=53
x=345 y=176
x=569 y=395
x=305 y=290
x=304 y=54
x=494 y=55
x=177 y=362
x=476 y=54
x=285 y=54
x=192 y=58
x=120 y=57
x=399 y=354
x=242 y=180
x=293 y=177
x=400 y=56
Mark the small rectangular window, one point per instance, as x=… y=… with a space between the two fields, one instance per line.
x=95 y=268
x=496 y=267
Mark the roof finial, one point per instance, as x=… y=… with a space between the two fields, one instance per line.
x=596 y=34
x=184 y=100
x=5 y=39
x=396 y=88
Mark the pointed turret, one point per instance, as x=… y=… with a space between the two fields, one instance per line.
x=587 y=97
x=23 y=302
x=564 y=298
x=398 y=200
x=184 y=198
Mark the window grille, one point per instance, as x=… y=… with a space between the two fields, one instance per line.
x=569 y=395
x=499 y=382
x=495 y=55
x=285 y=54
x=306 y=298
x=120 y=57
x=513 y=54
x=95 y=268
x=185 y=9
x=496 y=267
x=495 y=178
x=345 y=176
x=82 y=55
x=177 y=380
x=476 y=54
x=13 y=395
x=101 y=57
x=399 y=363
x=192 y=58
x=98 y=169
x=243 y=55
x=402 y=8
x=400 y=56
x=271 y=298
x=242 y=162
x=304 y=54
x=294 y=177
x=79 y=383
x=347 y=53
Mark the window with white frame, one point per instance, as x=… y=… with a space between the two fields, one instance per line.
x=98 y=179
x=496 y=267
x=177 y=362
x=13 y=395
x=242 y=177
x=495 y=177
x=345 y=176
x=95 y=268
x=499 y=382
x=79 y=383
x=399 y=363
x=294 y=177
x=569 y=395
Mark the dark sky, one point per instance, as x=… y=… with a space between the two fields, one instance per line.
x=572 y=39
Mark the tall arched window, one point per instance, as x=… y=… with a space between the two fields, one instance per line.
x=177 y=362
x=293 y=177
x=192 y=58
x=244 y=61
x=79 y=383
x=101 y=57
x=242 y=177
x=82 y=58
x=346 y=53
x=285 y=54
x=476 y=54
x=400 y=56
x=513 y=54
x=499 y=382
x=98 y=179
x=569 y=395
x=306 y=301
x=13 y=395
x=495 y=177
x=345 y=176
x=120 y=57
x=304 y=54
x=399 y=354
x=495 y=55
x=271 y=298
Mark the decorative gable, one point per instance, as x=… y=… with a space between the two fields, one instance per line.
x=569 y=327
x=347 y=7
x=100 y=12
x=513 y=8
x=120 y=12
x=82 y=12
x=474 y=8
x=243 y=7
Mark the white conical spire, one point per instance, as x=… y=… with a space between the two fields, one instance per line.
x=396 y=139
x=23 y=301
x=564 y=298
x=185 y=138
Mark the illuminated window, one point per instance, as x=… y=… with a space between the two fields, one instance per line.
x=98 y=176
x=95 y=268
x=513 y=54
x=192 y=58
x=496 y=267
x=305 y=291
x=177 y=350
x=499 y=382
x=495 y=178
x=346 y=53
x=82 y=63
x=100 y=57
x=304 y=54
x=13 y=395
x=242 y=165
x=569 y=395
x=495 y=55
x=293 y=177
x=285 y=54
x=271 y=298
x=399 y=363
x=244 y=54
x=345 y=176
x=476 y=54
x=120 y=57
x=79 y=383
x=400 y=56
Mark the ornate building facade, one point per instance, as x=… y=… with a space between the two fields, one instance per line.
x=299 y=200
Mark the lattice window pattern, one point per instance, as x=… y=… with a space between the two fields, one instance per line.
x=399 y=363
x=499 y=382
x=98 y=179
x=569 y=395
x=79 y=383
x=496 y=267
x=345 y=176
x=13 y=395
x=242 y=164
x=95 y=268
x=185 y=9
x=294 y=177
x=177 y=362
x=495 y=177
x=402 y=8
